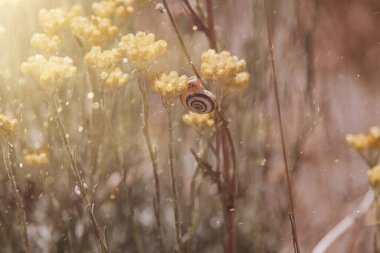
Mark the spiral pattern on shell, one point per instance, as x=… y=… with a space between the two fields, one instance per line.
x=200 y=101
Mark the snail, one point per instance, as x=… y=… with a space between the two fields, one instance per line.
x=197 y=99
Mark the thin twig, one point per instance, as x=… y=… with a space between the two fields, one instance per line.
x=74 y=169
x=20 y=202
x=284 y=154
x=153 y=158
x=177 y=221
x=181 y=41
x=210 y=25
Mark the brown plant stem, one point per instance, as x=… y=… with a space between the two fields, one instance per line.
x=210 y=25
x=16 y=191
x=283 y=146
x=177 y=221
x=153 y=158
x=74 y=169
x=181 y=41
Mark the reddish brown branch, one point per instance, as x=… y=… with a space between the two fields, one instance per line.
x=283 y=146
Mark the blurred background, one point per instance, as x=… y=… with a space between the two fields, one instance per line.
x=327 y=56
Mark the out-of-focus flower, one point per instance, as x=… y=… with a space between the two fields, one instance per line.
x=220 y=65
x=36 y=159
x=141 y=49
x=240 y=81
x=115 y=79
x=374 y=137
x=93 y=30
x=374 y=176
x=199 y=120
x=8 y=127
x=358 y=141
x=52 y=20
x=49 y=71
x=113 y=8
x=8 y=3
x=101 y=60
x=170 y=85
x=45 y=43
x=75 y=11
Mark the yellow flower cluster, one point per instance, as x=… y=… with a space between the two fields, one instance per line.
x=199 y=120
x=52 y=20
x=240 y=81
x=220 y=65
x=45 y=43
x=101 y=60
x=170 y=85
x=115 y=79
x=75 y=11
x=113 y=8
x=8 y=127
x=141 y=49
x=374 y=176
x=36 y=159
x=49 y=71
x=361 y=141
x=93 y=30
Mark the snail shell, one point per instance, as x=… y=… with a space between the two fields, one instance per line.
x=197 y=99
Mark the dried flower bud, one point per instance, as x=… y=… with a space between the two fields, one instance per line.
x=101 y=60
x=170 y=85
x=8 y=127
x=49 y=71
x=141 y=49
x=52 y=20
x=93 y=30
x=199 y=120
x=220 y=65
x=374 y=176
x=45 y=43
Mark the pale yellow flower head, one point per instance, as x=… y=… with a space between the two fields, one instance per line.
x=52 y=20
x=141 y=49
x=8 y=127
x=374 y=176
x=359 y=141
x=240 y=81
x=49 y=71
x=220 y=65
x=199 y=120
x=115 y=79
x=94 y=30
x=101 y=60
x=36 y=159
x=374 y=136
x=170 y=85
x=45 y=43
x=75 y=11
x=113 y=8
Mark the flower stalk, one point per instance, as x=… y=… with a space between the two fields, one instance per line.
x=153 y=157
x=283 y=146
x=78 y=178
x=16 y=191
x=170 y=112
